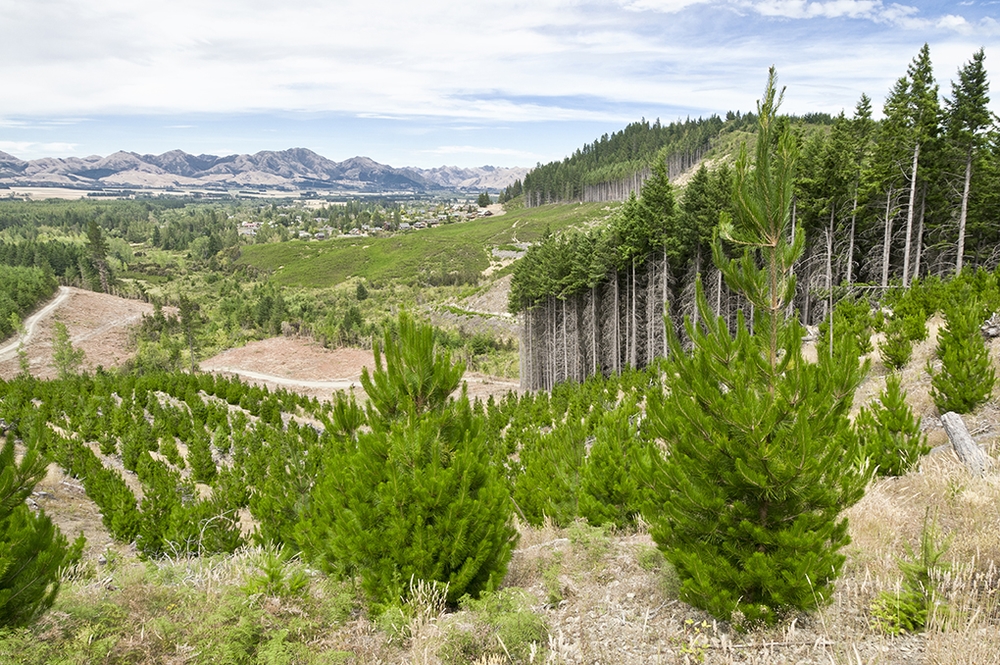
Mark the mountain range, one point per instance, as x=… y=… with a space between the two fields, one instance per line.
x=293 y=169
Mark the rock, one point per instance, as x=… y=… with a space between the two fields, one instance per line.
x=991 y=328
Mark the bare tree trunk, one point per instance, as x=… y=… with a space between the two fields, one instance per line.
x=632 y=355
x=829 y=267
x=565 y=327
x=850 y=242
x=617 y=345
x=663 y=317
x=972 y=456
x=909 y=216
x=887 y=240
x=963 y=214
x=593 y=339
x=920 y=234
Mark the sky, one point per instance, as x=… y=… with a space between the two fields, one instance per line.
x=443 y=82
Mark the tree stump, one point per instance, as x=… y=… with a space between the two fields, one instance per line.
x=972 y=456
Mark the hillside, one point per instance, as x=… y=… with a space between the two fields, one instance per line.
x=463 y=250
x=573 y=593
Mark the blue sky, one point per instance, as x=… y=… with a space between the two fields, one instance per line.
x=508 y=83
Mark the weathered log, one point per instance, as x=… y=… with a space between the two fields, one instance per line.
x=991 y=328
x=972 y=456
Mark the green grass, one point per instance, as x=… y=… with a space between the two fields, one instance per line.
x=416 y=255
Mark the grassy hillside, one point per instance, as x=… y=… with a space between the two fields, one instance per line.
x=426 y=255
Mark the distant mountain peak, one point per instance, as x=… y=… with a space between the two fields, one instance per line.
x=292 y=168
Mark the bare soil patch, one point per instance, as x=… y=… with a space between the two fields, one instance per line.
x=98 y=323
x=305 y=366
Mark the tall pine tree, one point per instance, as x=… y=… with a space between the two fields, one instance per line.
x=759 y=458
x=968 y=116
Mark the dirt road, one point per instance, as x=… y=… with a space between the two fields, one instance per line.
x=31 y=323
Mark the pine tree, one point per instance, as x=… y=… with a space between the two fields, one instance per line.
x=66 y=359
x=32 y=549
x=896 y=347
x=418 y=497
x=609 y=493
x=890 y=432
x=968 y=115
x=966 y=377
x=548 y=482
x=97 y=246
x=415 y=378
x=760 y=458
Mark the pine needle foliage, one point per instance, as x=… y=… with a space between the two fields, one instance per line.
x=32 y=549
x=415 y=377
x=548 y=482
x=758 y=457
x=609 y=492
x=896 y=347
x=890 y=431
x=420 y=496
x=966 y=377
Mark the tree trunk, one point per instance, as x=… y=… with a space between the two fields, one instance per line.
x=972 y=456
x=632 y=356
x=964 y=212
x=888 y=239
x=909 y=216
x=593 y=339
x=920 y=234
x=850 y=241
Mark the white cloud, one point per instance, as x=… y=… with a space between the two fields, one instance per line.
x=489 y=62
x=832 y=9
x=33 y=149
x=953 y=22
x=665 y=6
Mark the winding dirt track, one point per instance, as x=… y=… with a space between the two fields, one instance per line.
x=31 y=323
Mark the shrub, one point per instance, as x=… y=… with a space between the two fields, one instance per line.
x=32 y=549
x=967 y=376
x=609 y=493
x=424 y=480
x=896 y=348
x=890 y=432
x=503 y=626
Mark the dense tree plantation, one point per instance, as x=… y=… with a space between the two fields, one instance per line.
x=667 y=392
x=879 y=202
x=615 y=165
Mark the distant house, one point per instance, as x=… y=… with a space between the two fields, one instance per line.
x=404 y=226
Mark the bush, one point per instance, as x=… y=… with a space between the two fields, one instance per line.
x=890 y=432
x=504 y=626
x=897 y=347
x=424 y=480
x=967 y=376
x=609 y=493
x=32 y=549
